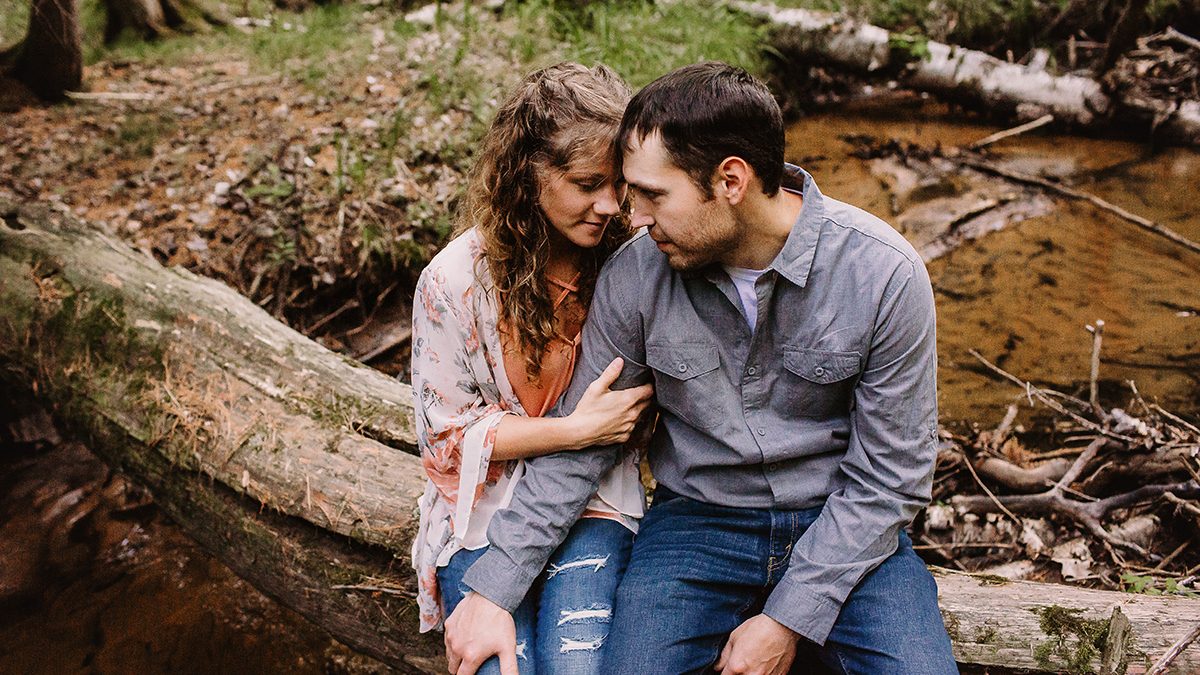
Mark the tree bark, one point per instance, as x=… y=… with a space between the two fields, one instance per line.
x=153 y=19
x=297 y=467
x=972 y=77
x=49 y=60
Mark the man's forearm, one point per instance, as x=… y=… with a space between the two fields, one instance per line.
x=546 y=502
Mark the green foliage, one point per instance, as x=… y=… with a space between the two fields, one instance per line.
x=275 y=188
x=138 y=133
x=14 y=19
x=641 y=39
x=909 y=45
x=1150 y=585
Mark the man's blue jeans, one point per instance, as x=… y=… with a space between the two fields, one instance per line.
x=699 y=570
x=564 y=619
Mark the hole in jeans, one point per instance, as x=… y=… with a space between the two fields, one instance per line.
x=571 y=645
x=593 y=614
x=595 y=563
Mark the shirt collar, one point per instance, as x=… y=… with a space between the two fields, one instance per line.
x=794 y=261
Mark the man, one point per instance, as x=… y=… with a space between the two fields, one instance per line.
x=790 y=338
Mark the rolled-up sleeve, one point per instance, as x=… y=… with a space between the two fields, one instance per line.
x=556 y=488
x=888 y=466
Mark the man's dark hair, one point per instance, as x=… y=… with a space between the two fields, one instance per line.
x=706 y=112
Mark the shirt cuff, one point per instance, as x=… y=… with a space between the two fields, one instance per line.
x=803 y=611
x=496 y=577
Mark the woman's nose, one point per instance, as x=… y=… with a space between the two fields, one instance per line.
x=606 y=203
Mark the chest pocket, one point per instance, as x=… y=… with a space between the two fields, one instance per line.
x=687 y=382
x=823 y=382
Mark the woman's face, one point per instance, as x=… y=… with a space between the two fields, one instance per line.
x=581 y=200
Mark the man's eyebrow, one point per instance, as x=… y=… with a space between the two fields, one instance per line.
x=640 y=187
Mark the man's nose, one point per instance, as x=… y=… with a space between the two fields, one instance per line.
x=606 y=203
x=641 y=219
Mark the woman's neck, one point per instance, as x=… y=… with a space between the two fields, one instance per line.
x=565 y=258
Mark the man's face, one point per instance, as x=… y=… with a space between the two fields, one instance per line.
x=690 y=230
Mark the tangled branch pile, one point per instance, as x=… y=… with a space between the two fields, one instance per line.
x=1115 y=500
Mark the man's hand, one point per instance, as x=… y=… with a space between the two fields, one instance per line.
x=477 y=630
x=760 y=646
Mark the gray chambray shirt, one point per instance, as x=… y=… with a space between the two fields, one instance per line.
x=831 y=401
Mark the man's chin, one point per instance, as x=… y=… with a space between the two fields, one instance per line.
x=684 y=263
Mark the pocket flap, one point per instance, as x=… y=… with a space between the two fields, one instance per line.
x=821 y=366
x=683 y=361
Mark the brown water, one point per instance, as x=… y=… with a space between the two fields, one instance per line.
x=120 y=589
x=1023 y=296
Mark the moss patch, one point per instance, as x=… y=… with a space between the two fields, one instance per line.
x=1074 y=642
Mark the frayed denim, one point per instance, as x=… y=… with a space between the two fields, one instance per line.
x=563 y=622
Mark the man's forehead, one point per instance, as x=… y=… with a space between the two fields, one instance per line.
x=645 y=159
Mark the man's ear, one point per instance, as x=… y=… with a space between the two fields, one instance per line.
x=732 y=179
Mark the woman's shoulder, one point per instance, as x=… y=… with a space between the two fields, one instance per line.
x=458 y=267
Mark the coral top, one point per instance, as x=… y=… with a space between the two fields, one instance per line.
x=538 y=397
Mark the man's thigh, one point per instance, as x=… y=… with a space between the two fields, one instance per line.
x=891 y=622
x=694 y=575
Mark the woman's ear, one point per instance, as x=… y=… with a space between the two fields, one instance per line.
x=733 y=179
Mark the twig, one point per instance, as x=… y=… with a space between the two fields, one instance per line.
x=967 y=462
x=1172 y=35
x=1159 y=409
x=1173 y=554
x=1045 y=398
x=1097 y=332
x=1173 y=653
x=1015 y=131
x=1141 y=222
x=1183 y=504
x=373 y=589
x=940 y=549
x=103 y=96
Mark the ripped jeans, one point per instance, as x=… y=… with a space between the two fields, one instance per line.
x=563 y=621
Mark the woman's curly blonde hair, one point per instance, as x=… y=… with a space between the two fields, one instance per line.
x=556 y=114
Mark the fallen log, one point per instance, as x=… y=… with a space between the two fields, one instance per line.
x=972 y=77
x=295 y=465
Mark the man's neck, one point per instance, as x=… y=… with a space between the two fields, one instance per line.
x=766 y=223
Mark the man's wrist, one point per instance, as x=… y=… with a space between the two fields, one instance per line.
x=496 y=577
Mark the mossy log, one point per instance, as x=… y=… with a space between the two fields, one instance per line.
x=973 y=77
x=296 y=466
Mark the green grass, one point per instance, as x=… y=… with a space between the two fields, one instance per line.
x=14 y=19
x=295 y=44
x=641 y=39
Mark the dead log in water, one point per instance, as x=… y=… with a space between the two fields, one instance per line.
x=295 y=465
x=973 y=77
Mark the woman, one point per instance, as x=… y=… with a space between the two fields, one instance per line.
x=496 y=324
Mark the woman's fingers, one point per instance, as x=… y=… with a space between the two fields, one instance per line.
x=610 y=375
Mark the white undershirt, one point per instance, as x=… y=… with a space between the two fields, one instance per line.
x=744 y=280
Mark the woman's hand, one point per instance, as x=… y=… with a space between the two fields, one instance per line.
x=604 y=416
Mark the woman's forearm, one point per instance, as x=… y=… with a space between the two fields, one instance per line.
x=518 y=437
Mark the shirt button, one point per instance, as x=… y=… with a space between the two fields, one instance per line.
x=751 y=370
x=819 y=371
x=682 y=367
x=762 y=431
